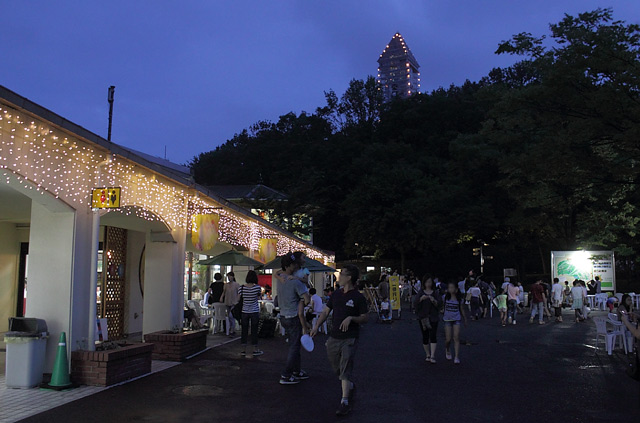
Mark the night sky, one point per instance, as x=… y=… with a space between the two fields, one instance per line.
x=190 y=74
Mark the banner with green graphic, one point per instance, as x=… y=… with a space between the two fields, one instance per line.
x=585 y=265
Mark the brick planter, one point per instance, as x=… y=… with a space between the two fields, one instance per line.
x=169 y=346
x=104 y=368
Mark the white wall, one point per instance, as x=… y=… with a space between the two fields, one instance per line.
x=58 y=275
x=133 y=296
x=9 y=260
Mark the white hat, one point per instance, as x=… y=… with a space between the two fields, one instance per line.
x=507 y=279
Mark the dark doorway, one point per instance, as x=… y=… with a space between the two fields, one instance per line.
x=21 y=307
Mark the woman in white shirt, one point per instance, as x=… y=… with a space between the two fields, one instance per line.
x=578 y=296
x=474 y=295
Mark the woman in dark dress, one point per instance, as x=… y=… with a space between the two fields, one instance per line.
x=427 y=306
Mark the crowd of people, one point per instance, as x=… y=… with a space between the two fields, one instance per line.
x=302 y=311
x=453 y=303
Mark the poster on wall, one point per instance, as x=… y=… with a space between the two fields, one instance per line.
x=204 y=231
x=267 y=250
x=585 y=265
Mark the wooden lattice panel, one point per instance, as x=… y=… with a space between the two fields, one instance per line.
x=115 y=269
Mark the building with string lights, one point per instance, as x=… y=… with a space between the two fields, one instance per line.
x=398 y=70
x=107 y=231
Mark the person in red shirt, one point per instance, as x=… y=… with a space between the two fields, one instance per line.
x=538 y=300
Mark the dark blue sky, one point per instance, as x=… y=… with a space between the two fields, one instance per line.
x=190 y=74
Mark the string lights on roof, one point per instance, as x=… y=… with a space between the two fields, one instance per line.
x=41 y=157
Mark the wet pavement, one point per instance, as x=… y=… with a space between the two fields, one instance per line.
x=523 y=373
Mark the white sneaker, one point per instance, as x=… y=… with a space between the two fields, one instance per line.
x=456 y=361
x=514 y=322
x=448 y=355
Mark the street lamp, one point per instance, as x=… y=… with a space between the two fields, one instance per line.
x=480 y=252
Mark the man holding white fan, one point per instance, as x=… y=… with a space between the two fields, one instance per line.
x=349 y=312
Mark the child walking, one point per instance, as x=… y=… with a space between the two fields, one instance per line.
x=501 y=305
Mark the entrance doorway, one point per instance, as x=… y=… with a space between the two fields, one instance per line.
x=21 y=307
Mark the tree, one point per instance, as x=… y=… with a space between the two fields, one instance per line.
x=569 y=130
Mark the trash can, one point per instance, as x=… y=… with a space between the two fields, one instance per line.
x=26 y=346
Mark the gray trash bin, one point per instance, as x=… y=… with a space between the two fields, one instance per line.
x=26 y=346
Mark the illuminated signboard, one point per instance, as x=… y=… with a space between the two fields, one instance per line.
x=105 y=198
x=585 y=265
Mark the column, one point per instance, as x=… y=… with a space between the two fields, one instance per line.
x=163 y=283
x=58 y=275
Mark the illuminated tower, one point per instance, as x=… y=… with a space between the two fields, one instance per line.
x=398 y=74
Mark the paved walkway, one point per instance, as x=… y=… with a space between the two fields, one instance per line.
x=524 y=373
x=17 y=404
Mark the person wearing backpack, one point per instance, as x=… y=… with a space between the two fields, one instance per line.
x=453 y=316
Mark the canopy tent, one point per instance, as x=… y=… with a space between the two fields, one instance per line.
x=230 y=258
x=314 y=266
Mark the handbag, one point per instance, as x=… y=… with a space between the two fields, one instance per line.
x=236 y=311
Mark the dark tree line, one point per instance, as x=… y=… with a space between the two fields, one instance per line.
x=539 y=156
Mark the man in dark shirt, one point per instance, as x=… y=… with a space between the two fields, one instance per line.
x=217 y=288
x=349 y=312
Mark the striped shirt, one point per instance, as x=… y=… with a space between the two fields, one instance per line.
x=250 y=297
x=452 y=310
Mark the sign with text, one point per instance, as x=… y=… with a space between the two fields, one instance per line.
x=105 y=198
x=585 y=265
x=394 y=292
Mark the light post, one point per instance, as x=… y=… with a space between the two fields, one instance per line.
x=479 y=251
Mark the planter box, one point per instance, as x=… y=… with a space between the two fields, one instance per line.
x=104 y=368
x=169 y=346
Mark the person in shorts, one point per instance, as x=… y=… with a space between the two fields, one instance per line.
x=349 y=311
x=501 y=304
x=453 y=314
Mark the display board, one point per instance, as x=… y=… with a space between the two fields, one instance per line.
x=394 y=292
x=585 y=265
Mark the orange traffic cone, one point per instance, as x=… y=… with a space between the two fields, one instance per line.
x=60 y=377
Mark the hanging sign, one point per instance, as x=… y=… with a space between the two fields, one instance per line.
x=204 y=231
x=105 y=198
x=267 y=250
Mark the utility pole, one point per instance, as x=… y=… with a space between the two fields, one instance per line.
x=112 y=90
